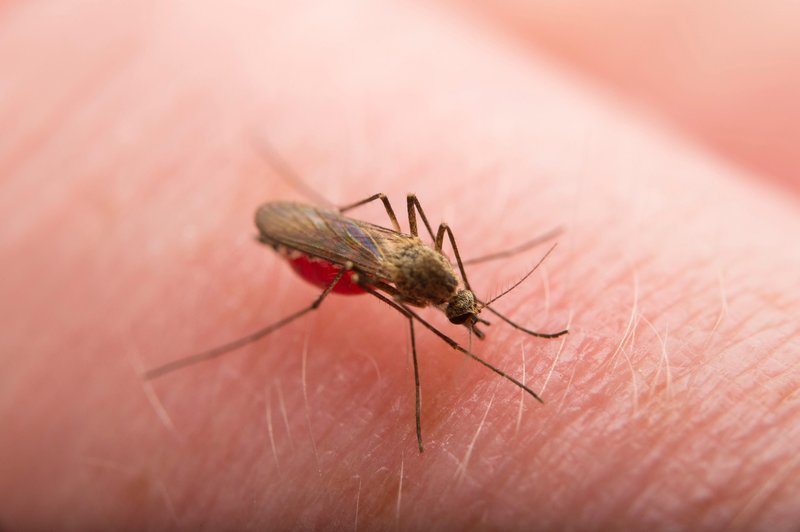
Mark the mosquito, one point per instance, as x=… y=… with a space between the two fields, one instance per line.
x=348 y=256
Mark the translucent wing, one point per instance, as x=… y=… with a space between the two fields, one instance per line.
x=329 y=235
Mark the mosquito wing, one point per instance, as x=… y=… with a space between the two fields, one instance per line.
x=328 y=235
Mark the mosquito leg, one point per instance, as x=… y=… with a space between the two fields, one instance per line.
x=386 y=205
x=412 y=202
x=444 y=228
x=521 y=328
x=417 y=389
x=544 y=237
x=449 y=341
x=508 y=320
x=244 y=340
x=286 y=171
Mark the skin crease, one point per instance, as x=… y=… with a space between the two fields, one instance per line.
x=130 y=180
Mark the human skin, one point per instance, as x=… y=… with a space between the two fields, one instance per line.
x=719 y=72
x=130 y=180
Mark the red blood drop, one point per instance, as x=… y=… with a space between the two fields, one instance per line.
x=321 y=273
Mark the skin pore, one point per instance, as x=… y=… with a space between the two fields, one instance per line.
x=129 y=191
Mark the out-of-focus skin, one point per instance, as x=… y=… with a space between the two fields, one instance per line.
x=129 y=183
x=722 y=73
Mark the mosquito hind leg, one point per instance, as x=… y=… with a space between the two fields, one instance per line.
x=244 y=340
x=285 y=170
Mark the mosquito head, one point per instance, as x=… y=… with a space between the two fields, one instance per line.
x=462 y=308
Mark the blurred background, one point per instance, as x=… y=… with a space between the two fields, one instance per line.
x=723 y=72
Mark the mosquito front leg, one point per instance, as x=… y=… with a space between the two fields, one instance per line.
x=388 y=206
x=406 y=311
x=508 y=320
x=245 y=340
x=521 y=328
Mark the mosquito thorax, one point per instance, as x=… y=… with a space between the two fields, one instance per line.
x=422 y=275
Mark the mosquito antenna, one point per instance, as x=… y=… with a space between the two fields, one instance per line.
x=521 y=280
x=285 y=170
x=518 y=249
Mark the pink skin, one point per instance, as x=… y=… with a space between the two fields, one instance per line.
x=719 y=72
x=129 y=186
